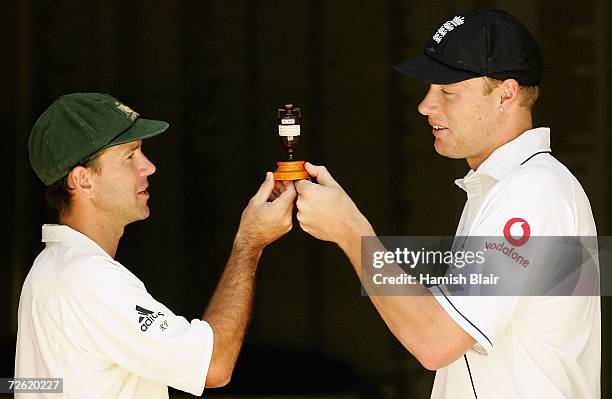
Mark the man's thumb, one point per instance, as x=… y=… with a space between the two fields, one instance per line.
x=262 y=195
x=321 y=174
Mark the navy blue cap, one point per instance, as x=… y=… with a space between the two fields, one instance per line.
x=482 y=42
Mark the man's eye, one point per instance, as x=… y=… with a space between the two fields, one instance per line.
x=446 y=91
x=131 y=156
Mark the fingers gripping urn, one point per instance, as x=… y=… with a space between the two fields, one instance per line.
x=289 y=120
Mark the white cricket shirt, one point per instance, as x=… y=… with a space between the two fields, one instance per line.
x=87 y=319
x=526 y=346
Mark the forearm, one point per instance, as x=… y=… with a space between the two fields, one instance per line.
x=413 y=316
x=264 y=220
x=398 y=311
x=229 y=310
x=326 y=212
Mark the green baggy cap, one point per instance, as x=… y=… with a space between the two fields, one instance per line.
x=77 y=126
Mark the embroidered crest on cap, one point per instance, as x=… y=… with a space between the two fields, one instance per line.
x=447 y=27
x=127 y=110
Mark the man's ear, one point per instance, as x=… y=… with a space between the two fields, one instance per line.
x=509 y=94
x=80 y=180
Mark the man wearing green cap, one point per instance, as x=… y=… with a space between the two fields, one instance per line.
x=86 y=318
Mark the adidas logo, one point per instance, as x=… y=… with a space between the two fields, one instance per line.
x=146 y=317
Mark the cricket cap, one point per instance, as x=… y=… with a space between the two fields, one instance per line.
x=77 y=126
x=484 y=42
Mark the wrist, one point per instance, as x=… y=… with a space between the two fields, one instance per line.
x=249 y=247
x=352 y=239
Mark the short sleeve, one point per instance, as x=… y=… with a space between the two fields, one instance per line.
x=119 y=321
x=483 y=318
x=533 y=198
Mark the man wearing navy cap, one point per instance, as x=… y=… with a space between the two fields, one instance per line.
x=483 y=69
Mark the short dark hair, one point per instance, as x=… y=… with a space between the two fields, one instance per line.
x=59 y=195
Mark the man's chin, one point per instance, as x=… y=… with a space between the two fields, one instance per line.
x=144 y=214
x=445 y=152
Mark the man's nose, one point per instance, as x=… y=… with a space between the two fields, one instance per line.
x=148 y=168
x=429 y=104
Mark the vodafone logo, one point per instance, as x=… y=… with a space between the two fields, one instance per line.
x=526 y=231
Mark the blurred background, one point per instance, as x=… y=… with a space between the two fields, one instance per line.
x=217 y=71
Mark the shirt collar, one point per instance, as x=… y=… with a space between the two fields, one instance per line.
x=510 y=155
x=58 y=233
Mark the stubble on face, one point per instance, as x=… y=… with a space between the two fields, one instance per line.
x=468 y=114
x=118 y=187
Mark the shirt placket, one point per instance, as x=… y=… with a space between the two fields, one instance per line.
x=476 y=191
